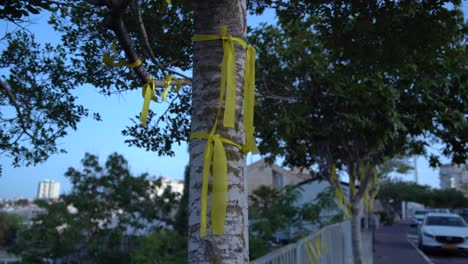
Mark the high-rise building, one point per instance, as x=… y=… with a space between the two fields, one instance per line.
x=455 y=177
x=48 y=189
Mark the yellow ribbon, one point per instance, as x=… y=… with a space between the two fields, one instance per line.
x=249 y=100
x=148 y=94
x=215 y=154
x=112 y=61
x=167 y=82
x=214 y=151
x=313 y=250
x=362 y=173
x=318 y=244
x=176 y=88
x=308 y=254
x=375 y=184
x=352 y=184
x=228 y=71
x=339 y=192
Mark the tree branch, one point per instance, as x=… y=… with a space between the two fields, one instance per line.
x=147 y=45
x=66 y=4
x=97 y=2
x=117 y=9
x=13 y=102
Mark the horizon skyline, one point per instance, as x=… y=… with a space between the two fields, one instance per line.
x=408 y=177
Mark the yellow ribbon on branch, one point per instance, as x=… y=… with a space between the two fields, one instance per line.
x=114 y=62
x=148 y=95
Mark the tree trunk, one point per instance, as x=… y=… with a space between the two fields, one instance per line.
x=232 y=247
x=356 y=233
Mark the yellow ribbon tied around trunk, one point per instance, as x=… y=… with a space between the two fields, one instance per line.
x=214 y=151
x=215 y=154
x=228 y=83
x=374 y=186
x=339 y=192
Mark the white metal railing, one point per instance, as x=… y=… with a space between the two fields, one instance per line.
x=329 y=245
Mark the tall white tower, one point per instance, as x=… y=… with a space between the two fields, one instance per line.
x=48 y=189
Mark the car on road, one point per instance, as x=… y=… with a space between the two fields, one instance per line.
x=418 y=217
x=443 y=231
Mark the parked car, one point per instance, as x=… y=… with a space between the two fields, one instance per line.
x=418 y=217
x=439 y=210
x=463 y=212
x=443 y=231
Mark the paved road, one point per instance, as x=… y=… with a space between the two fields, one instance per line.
x=392 y=247
x=438 y=257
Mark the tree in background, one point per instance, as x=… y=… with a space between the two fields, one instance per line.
x=100 y=220
x=160 y=247
x=272 y=210
x=10 y=225
x=395 y=191
x=362 y=84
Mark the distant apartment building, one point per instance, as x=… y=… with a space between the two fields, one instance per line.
x=454 y=177
x=177 y=186
x=48 y=189
x=261 y=173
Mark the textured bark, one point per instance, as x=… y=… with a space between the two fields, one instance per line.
x=356 y=234
x=232 y=247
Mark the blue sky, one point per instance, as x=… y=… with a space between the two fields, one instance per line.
x=104 y=138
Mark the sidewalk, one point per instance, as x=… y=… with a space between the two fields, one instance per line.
x=391 y=246
x=367 y=248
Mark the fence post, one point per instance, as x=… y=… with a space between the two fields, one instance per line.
x=298 y=252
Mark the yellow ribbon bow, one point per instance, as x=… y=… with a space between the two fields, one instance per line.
x=228 y=84
x=214 y=151
x=215 y=155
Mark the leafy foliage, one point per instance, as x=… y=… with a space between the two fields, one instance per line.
x=36 y=98
x=272 y=210
x=170 y=26
x=162 y=246
x=370 y=83
x=100 y=219
x=30 y=97
x=10 y=225
x=15 y=10
x=394 y=191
